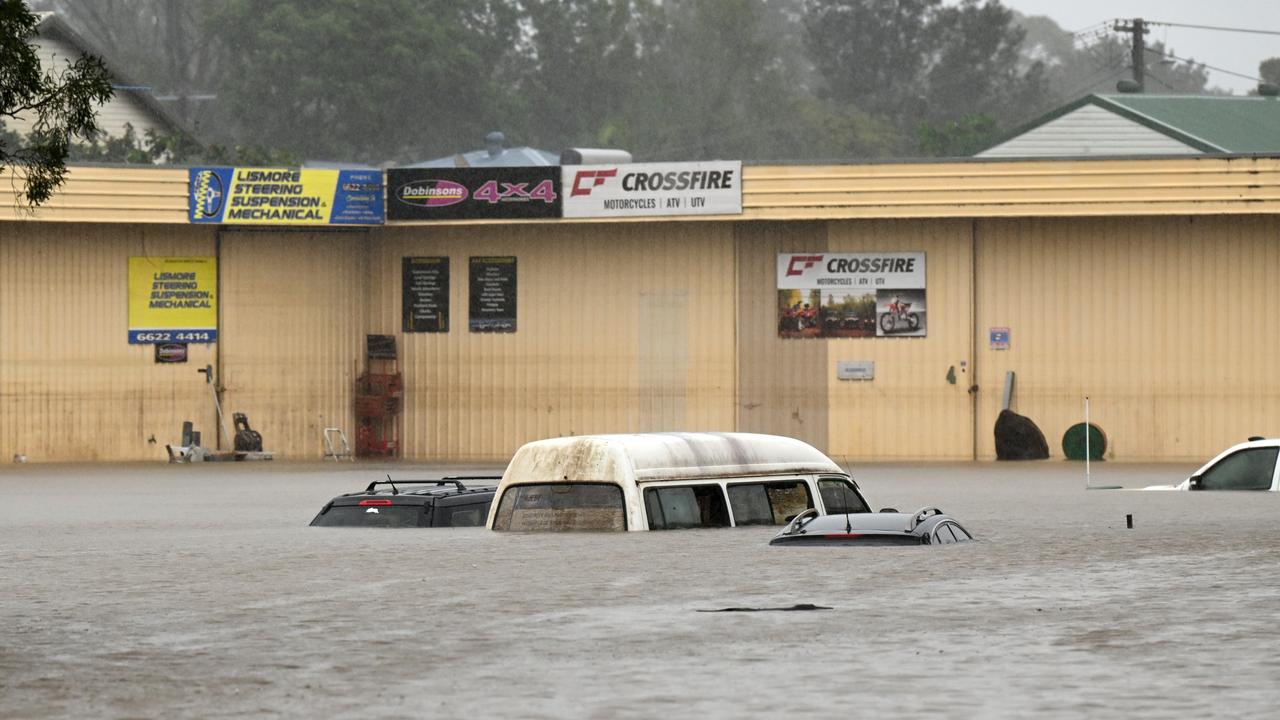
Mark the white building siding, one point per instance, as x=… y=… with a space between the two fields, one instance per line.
x=112 y=117
x=1089 y=131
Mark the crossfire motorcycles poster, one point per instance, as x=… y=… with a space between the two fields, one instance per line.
x=849 y=295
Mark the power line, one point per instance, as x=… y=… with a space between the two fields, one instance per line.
x=1171 y=56
x=1215 y=27
x=1091 y=28
x=1166 y=85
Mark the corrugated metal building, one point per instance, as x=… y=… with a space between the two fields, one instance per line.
x=1146 y=284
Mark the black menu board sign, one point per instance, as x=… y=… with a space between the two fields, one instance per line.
x=425 y=283
x=493 y=294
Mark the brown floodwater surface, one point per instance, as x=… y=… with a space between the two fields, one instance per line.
x=199 y=591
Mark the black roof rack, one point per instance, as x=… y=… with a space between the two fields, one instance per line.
x=455 y=480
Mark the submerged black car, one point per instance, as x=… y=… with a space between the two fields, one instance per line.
x=927 y=526
x=447 y=502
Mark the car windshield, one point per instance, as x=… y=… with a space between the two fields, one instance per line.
x=1249 y=469
x=360 y=516
x=839 y=496
x=560 y=507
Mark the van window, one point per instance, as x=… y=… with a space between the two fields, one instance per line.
x=840 y=497
x=692 y=506
x=768 y=503
x=561 y=507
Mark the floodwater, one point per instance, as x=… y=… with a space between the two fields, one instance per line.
x=199 y=591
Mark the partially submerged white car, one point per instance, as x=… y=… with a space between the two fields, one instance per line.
x=1248 y=466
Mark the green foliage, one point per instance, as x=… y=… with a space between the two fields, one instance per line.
x=1269 y=70
x=363 y=81
x=870 y=52
x=762 y=80
x=111 y=149
x=921 y=60
x=975 y=68
x=576 y=69
x=956 y=138
x=713 y=82
x=163 y=148
x=59 y=103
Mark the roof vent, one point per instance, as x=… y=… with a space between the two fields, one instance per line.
x=1268 y=89
x=593 y=156
x=493 y=142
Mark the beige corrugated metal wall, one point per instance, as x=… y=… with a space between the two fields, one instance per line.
x=1166 y=323
x=909 y=411
x=107 y=195
x=783 y=387
x=671 y=324
x=292 y=333
x=621 y=328
x=71 y=386
x=1040 y=188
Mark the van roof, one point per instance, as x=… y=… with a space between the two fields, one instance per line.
x=650 y=457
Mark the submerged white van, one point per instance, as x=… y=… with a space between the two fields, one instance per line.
x=664 y=481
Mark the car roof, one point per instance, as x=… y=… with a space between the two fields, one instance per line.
x=649 y=457
x=437 y=489
x=881 y=523
x=860 y=522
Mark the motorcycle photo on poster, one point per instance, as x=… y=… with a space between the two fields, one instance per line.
x=900 y=312
x=851 y=295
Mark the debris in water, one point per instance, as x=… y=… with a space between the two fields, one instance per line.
x=799 y=606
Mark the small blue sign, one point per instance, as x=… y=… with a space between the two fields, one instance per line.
x=999 y=338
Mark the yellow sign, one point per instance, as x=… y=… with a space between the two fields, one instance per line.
x=173 y=300
x=285 y=196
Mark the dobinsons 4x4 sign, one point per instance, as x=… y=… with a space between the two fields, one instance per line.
x=637 y=189
x=501 y=193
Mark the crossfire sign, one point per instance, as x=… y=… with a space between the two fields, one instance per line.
x=652 y=189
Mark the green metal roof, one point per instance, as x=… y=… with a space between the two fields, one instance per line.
x=1215 y=123
x=1227 y=124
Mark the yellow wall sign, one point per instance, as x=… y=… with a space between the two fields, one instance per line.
x=173 y=300
x=285 y=196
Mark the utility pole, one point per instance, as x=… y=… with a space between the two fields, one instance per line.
x=1138 y=28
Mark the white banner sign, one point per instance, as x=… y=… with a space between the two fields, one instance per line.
x=634 y=189
x=850 y=271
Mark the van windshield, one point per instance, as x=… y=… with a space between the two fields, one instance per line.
x=561 y=507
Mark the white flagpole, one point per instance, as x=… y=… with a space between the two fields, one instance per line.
x=1086 y=442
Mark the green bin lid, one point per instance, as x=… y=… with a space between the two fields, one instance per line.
x=1073 y=442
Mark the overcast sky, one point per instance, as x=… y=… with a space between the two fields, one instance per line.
x=1237 y=52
